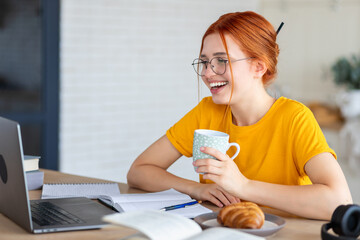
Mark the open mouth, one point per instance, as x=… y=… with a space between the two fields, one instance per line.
x=215 y=85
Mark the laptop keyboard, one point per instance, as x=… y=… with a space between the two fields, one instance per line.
x=46 y=213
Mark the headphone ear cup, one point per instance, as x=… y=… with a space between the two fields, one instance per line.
x=345 y=220
x=337 y=218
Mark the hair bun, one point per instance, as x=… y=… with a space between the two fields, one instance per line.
x=241 y=215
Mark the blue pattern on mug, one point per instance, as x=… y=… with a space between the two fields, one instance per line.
x=213 y=139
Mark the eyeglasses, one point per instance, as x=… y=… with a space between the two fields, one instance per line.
x=217 y=65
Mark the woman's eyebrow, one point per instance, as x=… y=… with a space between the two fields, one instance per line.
x=215 y=54
x=219 y=53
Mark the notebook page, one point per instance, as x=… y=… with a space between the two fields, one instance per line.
x=89 y=190
x=156 y=225
x=158 y=200
x=167 y=195
x=189 y=212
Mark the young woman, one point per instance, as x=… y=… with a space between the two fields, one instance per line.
x=284 y=160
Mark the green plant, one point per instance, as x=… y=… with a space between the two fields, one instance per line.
x=346 y=71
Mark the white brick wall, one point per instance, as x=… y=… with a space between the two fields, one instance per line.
x=126 y=77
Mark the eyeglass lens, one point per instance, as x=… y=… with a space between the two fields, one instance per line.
x=217 y=65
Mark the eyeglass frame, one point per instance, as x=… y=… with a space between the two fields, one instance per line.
x=209 y=62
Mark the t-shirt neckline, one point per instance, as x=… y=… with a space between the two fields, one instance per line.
x=267 y=115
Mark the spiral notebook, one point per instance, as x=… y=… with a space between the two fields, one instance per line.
x=88 y=190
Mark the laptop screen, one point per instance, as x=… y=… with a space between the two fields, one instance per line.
x=14 y=200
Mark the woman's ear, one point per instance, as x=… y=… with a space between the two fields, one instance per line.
x=259 y=68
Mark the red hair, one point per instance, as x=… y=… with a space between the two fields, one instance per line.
x=255 y=36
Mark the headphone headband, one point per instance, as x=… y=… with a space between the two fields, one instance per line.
x=345 y=221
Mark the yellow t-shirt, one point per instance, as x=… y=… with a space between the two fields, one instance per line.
x=274 y=150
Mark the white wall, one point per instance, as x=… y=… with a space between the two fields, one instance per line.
x=126 y=77
x=315 y=34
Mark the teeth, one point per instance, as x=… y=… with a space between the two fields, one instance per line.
x=217 y=84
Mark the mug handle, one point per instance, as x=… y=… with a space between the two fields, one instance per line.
x=237 y=149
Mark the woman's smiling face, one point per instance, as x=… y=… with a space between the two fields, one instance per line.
x=220 y=85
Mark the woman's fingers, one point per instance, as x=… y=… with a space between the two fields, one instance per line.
x=207 y=161
x=208 y=165
x=231 y=198
x=215 y=153
x=220 y=196
x=208 y=169
x=215 y=201
x=216 y=195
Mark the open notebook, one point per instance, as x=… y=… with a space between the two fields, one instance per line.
x=163 y=226
x=109 y=194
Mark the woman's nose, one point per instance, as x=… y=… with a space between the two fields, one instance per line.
x=208 y=71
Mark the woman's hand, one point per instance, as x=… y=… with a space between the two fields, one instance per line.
x=214 y=194
x=222 y=170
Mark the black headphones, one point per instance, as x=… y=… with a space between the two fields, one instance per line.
x=345 y=222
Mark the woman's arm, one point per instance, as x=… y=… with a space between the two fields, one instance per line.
x=317 y=201
x=149 y=172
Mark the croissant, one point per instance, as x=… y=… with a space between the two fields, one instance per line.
x=241 y=215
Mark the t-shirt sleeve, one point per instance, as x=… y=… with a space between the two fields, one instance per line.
x=181 y=133
x=308 y=139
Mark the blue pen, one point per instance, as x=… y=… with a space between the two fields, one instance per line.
x=182 y=205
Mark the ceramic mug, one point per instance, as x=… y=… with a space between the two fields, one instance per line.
x=213 y=139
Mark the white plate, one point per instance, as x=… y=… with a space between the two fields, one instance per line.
x=271 y=225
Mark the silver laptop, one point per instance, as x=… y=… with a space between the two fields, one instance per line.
x=38 y=216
